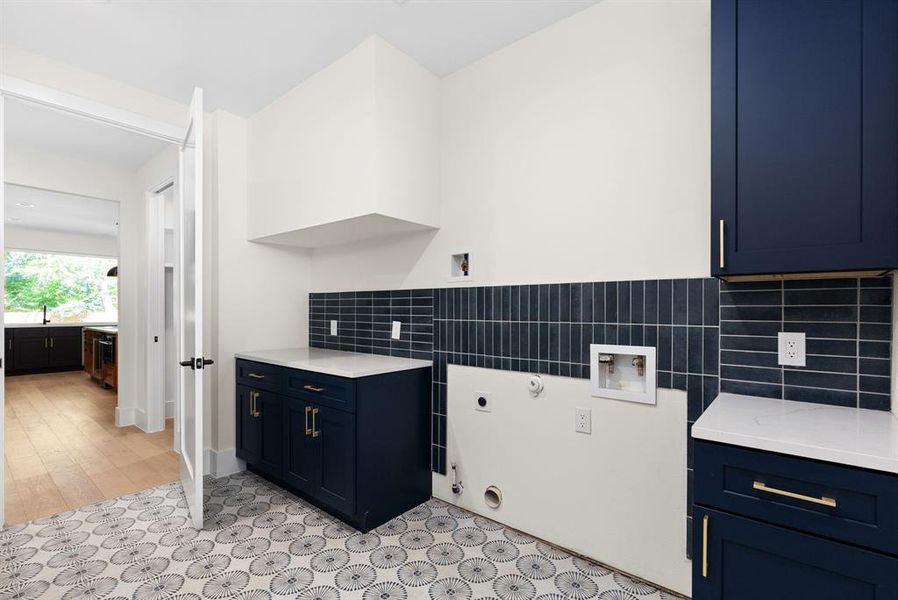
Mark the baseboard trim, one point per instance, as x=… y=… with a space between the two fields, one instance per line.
x=169 y=409
x=222 y=463
x=125 y=416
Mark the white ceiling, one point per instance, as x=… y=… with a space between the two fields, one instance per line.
x=67 y=135
x=55 y=211
x=247 y=53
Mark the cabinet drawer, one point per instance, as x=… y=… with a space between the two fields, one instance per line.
x=22 y=333
x=839 y=502
x=326 y=390
x=60 y=332
x=259 y=375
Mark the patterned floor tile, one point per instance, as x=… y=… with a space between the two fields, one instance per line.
x=260 y=542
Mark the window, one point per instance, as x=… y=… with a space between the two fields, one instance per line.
x=75 y=289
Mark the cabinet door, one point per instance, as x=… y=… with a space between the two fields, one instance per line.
x=270 y=414
x=31 y=351
x=10 y=357
x=301 y=450
x=336 y=438
x=804 y=135
x=748 y=559
x=249 y=427
x=65 y=351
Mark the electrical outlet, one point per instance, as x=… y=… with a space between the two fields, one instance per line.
x=791 y=348
x=397 y=326
x=583 y=420
x=333 y=327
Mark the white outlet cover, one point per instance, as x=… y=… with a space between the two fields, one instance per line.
x=333 y=327
x=397 y=326
x=583 y=420
x=791 y=348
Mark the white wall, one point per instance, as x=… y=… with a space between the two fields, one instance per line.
x=617 y=496
x=579 y=153
x=260 y=292
x=64 y=242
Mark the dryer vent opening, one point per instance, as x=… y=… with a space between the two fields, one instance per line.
x=493 y=497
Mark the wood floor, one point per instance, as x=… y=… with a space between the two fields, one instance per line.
x=63 y=449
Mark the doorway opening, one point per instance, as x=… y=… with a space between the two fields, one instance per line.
x=87 y=430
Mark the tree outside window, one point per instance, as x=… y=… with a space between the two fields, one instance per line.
x=75 y=289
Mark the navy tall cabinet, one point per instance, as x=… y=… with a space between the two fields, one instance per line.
x=804 y=136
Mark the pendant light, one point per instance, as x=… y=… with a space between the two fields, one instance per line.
x=113 y=272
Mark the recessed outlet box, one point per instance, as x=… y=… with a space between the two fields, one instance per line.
x=623 y=372
x=333 y=327
x=396 y=330
x=791 y=349
x=460 y=266
x=583 y=420
x=483 y=401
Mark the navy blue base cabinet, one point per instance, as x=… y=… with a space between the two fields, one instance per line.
x=804 y=136
x=358 y=448
x=779 y=527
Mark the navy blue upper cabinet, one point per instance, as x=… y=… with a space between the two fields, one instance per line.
x=804 y=136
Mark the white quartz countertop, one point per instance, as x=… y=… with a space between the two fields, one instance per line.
x=334 y=362
x=59 y=324
x=849 y=436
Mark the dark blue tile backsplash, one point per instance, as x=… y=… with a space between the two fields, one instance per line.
x=710 y=335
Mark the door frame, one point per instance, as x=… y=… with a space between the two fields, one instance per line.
x=155 y=323
x=85 y=108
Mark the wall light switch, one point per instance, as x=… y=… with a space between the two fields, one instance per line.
x=333 y=327
x=791 y=348
x=397 y=325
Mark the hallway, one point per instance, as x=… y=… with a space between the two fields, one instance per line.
x=63 y=449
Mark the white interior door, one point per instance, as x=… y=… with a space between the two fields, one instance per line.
x=190 y=214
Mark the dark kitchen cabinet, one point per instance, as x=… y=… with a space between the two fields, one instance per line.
x=249 y=428
x=31 y=348
x=804 y=136
x=42 y=349
x=9 y=355
x=768 y=525
x=260 y=429
x=743 y=559
x=64 y=347
x=358 y=448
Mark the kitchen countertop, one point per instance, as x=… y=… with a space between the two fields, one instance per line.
x=334 y=362
x=107 y=329
x=849 y=436
x=84 y=325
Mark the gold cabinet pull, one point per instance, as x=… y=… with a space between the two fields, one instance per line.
x=315 y=432
x=705 y=520
x=308 y=429
x=51 y=342
x=253 y=406
x=313 y=388
x=823 y=500
x=722 y=245
x=255 y=376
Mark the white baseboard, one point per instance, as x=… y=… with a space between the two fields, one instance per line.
x=222 y=463
x=125 y=416
x=169 y=409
